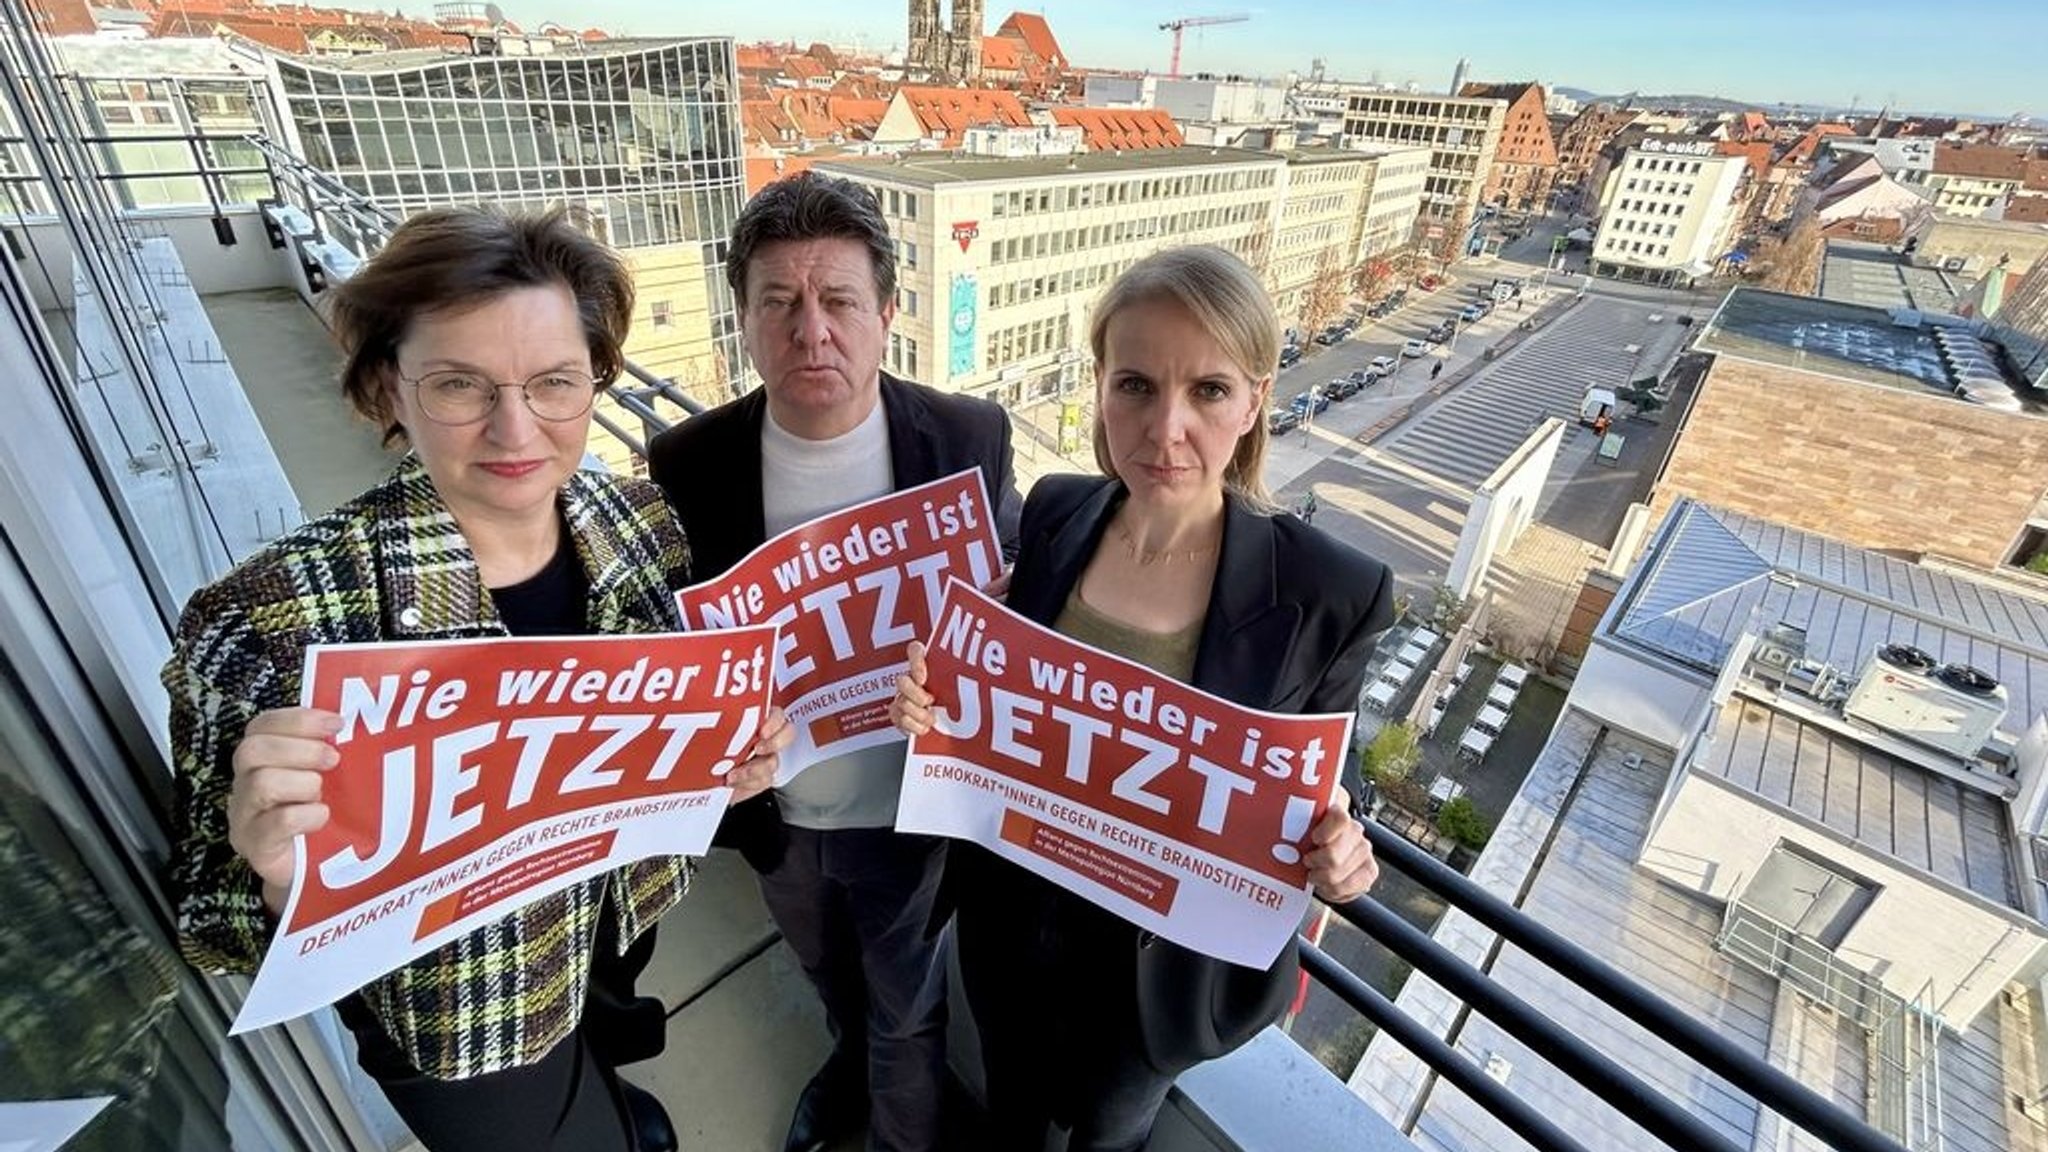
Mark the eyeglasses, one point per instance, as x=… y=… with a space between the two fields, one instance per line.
x=466 y=397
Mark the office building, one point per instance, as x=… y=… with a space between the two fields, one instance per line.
x=1668 y=212
x=1462 y=133
x=1393 y=199
x=999 y=261
x=640 y=136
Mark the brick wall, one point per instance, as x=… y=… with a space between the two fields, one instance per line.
x=1862 y=463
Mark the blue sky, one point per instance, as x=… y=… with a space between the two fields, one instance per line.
x=1983 y=56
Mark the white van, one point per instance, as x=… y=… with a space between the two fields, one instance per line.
x=1597 y=402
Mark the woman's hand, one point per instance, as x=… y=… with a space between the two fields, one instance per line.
x=279 y=767
x=911 y=710
x=756 y=774
x=998 y=589
x=1341 y=866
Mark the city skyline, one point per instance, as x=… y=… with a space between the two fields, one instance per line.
x=1746 y=50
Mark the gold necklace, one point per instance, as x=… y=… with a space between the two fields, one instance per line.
x=1146 y=558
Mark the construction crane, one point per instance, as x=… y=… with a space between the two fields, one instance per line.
x=1178 y=26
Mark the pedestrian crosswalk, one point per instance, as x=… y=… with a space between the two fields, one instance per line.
x=1467 y=435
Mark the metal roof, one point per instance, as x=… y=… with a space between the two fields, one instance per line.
x=1941 y=827
x=1708 y=579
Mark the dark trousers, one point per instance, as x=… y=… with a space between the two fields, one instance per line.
x=1052 y=983
x=568 y=1101
x=854 y=903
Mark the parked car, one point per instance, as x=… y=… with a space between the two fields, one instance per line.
x=1281 y=421
x=1413 y=348
x=1343 y=388
x=1384 y=365
x=1430 y=283
x=1312 y=400
x=1441 y=332
x=1329 y=336
x=1290 y=356
x=1471 y=312
x=1380 y=308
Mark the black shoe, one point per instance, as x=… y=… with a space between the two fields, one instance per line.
x=652 y=1131
x=827 y=1112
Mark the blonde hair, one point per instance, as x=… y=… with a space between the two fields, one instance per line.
x=1226 y=299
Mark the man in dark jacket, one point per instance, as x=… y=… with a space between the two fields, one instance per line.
x=814 y=271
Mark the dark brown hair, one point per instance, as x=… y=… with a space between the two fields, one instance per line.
x=450 y=259
x=812 y=206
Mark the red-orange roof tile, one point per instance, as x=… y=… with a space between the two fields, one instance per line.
x=1037 y=35
x=1121 y=129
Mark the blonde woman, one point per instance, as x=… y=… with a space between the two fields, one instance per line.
x=1173 y=558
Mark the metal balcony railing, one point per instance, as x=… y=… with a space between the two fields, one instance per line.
x=1905 y=1036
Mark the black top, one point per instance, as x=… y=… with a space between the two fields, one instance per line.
x=554 y=601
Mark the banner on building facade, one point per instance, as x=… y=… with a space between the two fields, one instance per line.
x=478 y=776
x=1179 y=811
x=965 y=312
x=849 y=591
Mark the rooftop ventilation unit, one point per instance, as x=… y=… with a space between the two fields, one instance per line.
x=1952 y=708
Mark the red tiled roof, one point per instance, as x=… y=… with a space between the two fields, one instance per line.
x=802 y=68
x=765 y=170
x=1980 y=161
x=949 y=112
x=755 y=56
x=1752 y=126
x=1000 y=54
x=1508 y=92
x=857 y=115
x=1803 y=150
x=1126 y=129
x=812 y=112
x=2025 y=209
x=1036 y=35
x=64 y=18
x=1757 y=152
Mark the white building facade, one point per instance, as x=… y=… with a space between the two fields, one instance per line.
x=1668 y=213
x=1001 y=261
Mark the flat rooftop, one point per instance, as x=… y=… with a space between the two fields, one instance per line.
x=1566 y=854
x=1853 y=342
x=1876 y=276
x=400 y=59
x=1891 y=807
x=929 y=170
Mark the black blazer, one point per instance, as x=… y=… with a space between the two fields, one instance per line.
x=1291 y=623
x=710 y=468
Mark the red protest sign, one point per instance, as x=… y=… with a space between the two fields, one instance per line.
x=477 y=776
x=849 y=591
x=1173 y=808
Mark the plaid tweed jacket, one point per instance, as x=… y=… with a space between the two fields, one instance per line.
x=392 y=565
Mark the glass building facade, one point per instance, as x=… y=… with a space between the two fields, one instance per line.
x=643 y=135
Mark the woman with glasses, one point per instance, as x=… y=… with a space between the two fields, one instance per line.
x=480 y=340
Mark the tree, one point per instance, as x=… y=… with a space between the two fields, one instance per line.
x=1451 y=609
x=1372 y=277
x=1392 y=755
x=1325 y=298
x=2039 y=563
x=1460 y=822
x=1792 y=264
x=1449 y=248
